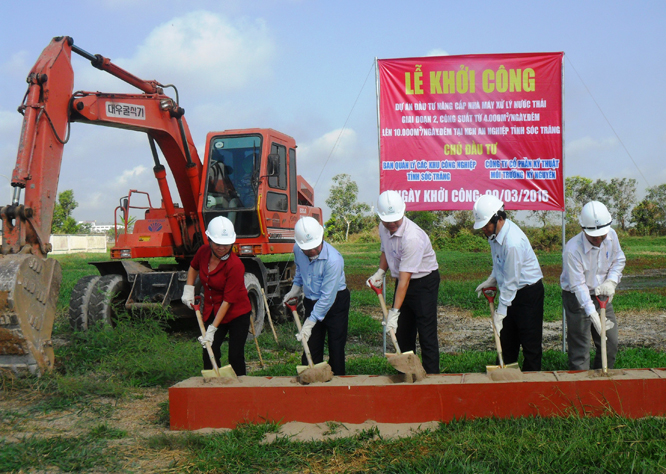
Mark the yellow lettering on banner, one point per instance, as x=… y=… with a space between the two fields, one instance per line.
x=408 y=84
x=488 y=80
x=528 y=80
x=513 y=80
x=418 y=80
x=435 y=85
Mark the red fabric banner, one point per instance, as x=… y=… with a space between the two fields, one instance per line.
x=455 y=127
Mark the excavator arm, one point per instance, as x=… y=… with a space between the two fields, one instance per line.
x=29 y=282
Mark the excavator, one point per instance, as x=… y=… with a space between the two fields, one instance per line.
x=247 y=175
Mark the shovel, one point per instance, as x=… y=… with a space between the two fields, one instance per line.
x=604 y=355
x=502 y=371
x=227 y=370
x=320 y=372
x=406 y=362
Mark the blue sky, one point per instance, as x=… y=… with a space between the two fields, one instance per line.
x=306 y=68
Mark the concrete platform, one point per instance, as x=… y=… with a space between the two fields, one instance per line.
x=218 y=403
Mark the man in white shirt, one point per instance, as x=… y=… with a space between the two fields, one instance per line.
x=407 y=252
x=592 y=265
x=517 y=275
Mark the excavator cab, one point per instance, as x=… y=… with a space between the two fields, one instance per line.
x=232 y=182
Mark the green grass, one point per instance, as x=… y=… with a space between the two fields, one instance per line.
x=527 y=445
x=139 y=353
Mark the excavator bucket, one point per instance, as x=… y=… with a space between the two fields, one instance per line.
x=29 y=288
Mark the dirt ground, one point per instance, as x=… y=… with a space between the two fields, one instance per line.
x=139 y=415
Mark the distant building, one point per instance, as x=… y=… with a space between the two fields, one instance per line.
x=96 y=228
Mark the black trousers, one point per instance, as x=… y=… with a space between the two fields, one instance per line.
x=523 y=325
x=418 y=313
x=335 y=324
x=237 y=330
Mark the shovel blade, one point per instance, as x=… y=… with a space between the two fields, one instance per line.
x=226 y=371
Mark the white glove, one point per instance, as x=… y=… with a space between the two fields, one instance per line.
x=211 y=201
x=188 y=296
x=499 y=321
x=392 y=319
x=294 y=293
x=306 y=330
x=607 y=288
x=596 y=322
x=208 y=338
x=377 y=279
x=490 y=282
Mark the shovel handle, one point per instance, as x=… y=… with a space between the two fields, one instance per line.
x=197 y=303
x=498 y=343
x=604 y=355
x=385 y=312
x=297 y=320
x=490 y=294
x=603 y=301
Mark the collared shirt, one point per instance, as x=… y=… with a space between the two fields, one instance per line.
x=408 y=250
x=225 y=283
x=321 y=278
x=584 y=266
x=515 y=264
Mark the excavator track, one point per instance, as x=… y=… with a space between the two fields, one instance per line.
x=29 y=288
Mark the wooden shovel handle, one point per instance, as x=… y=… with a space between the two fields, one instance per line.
x=391 y=331
x=203 y=334
x=498 y=343
x=306 y=349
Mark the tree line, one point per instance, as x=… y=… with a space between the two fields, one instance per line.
x=647 y=217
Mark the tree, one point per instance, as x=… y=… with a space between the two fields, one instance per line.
x=657 y=194
x=648 y=217
x=577 y=192
x=619 y=196
x=342 y=201
x=63 y=222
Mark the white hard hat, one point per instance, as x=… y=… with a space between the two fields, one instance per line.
x=485 y=208
x=595 y=219
x=390 y=206
x=221 y=231
x=308 y=233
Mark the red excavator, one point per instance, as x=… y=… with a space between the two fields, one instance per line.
x=247 y=175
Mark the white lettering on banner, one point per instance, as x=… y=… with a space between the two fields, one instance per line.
x=117 y=109
x=410 y=195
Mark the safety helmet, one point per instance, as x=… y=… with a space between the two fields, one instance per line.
x=221 y=231
x=595 y=219
x=485 y=209
x=308 y=233
x=390 y=206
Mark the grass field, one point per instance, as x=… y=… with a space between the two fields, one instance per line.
x=142 y=355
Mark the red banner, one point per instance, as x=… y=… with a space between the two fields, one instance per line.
x=455 y=127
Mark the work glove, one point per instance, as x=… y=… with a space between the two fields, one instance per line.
x=210 y=335
x=596 y=322
x=292 y=296
x=188 y=296
x=211 y=201
x=306 y=330
x=392 y=319
x=607 y=288
x=499 y=320
x=377 y=279
x=490 y=282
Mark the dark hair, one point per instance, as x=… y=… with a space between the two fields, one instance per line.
x=498 y=215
